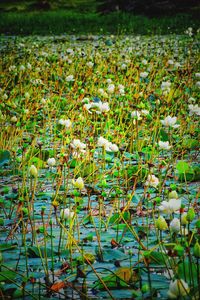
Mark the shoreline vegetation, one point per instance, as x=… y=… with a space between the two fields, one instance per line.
x=70 y=22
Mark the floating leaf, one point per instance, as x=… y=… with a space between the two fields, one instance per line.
x=7 y=276
x=182 y=166
x=39 y=252
x=4 y=157
x=6 y=247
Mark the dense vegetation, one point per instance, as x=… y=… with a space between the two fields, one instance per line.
x=99 y=193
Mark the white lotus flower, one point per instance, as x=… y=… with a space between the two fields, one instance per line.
x=165 y=85
x=194 y=110
x=77 y=144
x=5 y=96
x=66 y=123
x=90 y=64
x=170 y=206
x=22 y=68
x=175 y=225
x=164 y=145
x=198 y=84
x=102 y=107
x=66 y=214
x=12 y=68
x=144 y=112
x=170 y=122
x=111 y=88
x=144 y=62
x=144 y=74
x=70 y=78
x=177 y=289
x=113 y=147
x=108 y=146
x=136 y=114
x=51 y=162
x=87 y=107
x=152 y=180
x=102 y=142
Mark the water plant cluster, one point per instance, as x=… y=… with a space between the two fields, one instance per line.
x=99 y=161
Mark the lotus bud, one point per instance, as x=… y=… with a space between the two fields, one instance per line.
x=33 y=171
x=51 y=162
x=173 y=195
x=191 y=214
x=184 y=220
x=13 y=119
x=161 y=224
x=78 y=183
x=197 y=250
x=179 y=250
x=66 y=214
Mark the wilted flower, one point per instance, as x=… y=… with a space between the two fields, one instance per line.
x=66 y=214
x=175 y=225
x=152 y=180
x=170 y=122
x=194 y=110
x=33 y=171
x=51 y=162
x=178 y=288
x=170 y=206
x=161 y=224
x=164 y=145
x=78 y=183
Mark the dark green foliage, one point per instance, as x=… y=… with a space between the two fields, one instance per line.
x=148 y=7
